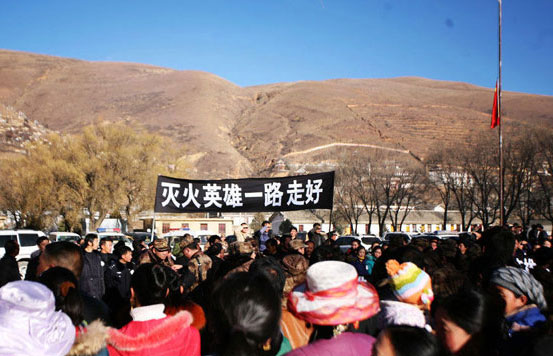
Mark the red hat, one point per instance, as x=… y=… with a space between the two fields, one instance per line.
x=333 y=295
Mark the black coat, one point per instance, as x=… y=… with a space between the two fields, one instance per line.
x=118 y=281
x=118 y=292
x=107 y=260
x=9 y=270
x=32 y=267
x=317 y=238
x=92 y=276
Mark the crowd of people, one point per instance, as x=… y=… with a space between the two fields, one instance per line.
x=487 y=293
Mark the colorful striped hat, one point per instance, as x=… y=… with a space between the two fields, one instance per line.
x=411 y=284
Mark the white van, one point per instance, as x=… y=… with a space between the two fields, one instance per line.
x=27 y=245
x=64 y=236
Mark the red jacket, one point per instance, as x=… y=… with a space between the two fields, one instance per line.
x=169 y=336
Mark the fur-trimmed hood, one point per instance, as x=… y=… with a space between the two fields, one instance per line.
x=90 y=342
x=158 y=336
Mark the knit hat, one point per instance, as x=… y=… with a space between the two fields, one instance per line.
x=29 y=323
x=411 y=284
x=332 y=295
x=520 y=282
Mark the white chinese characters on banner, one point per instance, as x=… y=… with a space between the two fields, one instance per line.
x=273 y=195
x=190 y=194
x=295 y=192
x=170 y=193
x=313 y=189
x=212 y=196
x=233 y=195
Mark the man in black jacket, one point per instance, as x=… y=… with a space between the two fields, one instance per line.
x=217 y=255
x=92 y=276
x=316 y=235
x=106 y=249
x=41 y=242
x=118 y=286
x=9 y=270
x=118 y=274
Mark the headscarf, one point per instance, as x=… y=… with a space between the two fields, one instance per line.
x=520 y=282
x=29 y=323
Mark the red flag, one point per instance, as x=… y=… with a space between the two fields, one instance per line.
x=495 y=113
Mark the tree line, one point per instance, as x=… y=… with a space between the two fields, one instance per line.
x=111 y=169
x=108 y=169
x=465 y=178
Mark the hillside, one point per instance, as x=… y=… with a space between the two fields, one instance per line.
x=196 y=109
x=16 y=130
x=230 y=130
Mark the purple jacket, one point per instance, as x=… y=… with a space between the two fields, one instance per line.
x=346 y=344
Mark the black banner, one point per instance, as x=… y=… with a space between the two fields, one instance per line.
x=312 y=191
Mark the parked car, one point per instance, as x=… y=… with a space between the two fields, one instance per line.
x=405 y=236
x=344 y=242
x=64 y=236
x=368 y=240
x=27 y=245
x=466 y=235
x=442 y=235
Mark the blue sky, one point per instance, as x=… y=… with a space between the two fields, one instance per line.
x=253 y=42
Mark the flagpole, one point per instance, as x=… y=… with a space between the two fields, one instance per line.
x=501 y=178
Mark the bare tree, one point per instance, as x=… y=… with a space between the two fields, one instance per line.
x=544 y=174
x=521 y=178
x=347 y=200
x=367 y=195
x=392 y=189
x=381 y=183
x=481 y=165
x=453 y=183
x=519 y=172
x=439 y=178
x=405 y=193
x=359 y=173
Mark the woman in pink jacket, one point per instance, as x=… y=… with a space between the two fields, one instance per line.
x=152 y=332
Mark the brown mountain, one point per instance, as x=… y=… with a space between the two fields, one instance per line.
x=230 y=130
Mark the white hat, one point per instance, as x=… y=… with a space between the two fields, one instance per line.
x=332 y=295
x=29 y=323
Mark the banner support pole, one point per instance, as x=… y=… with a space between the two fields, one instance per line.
x=153 y=226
